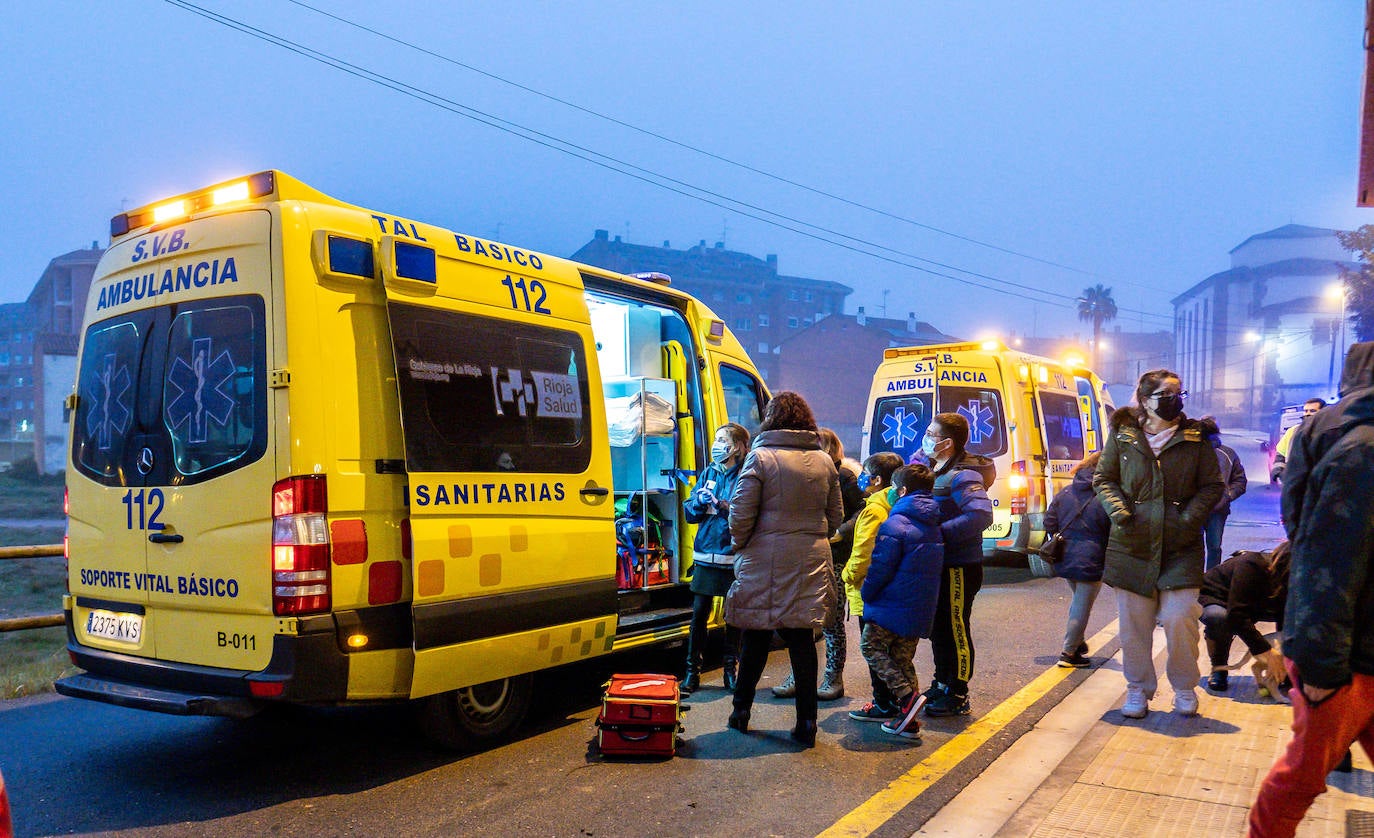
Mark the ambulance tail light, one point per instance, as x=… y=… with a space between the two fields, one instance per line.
x=300 y=546
x=67 y=540
x=1019 y=486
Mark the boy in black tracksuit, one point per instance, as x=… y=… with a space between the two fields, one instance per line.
x=965 y=512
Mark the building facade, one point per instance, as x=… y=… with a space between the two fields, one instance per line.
x=38 y=340
x=762 y=307
x=1270 y=331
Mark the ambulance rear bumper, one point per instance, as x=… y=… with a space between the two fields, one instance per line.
x=156 y=699
x=306 y=668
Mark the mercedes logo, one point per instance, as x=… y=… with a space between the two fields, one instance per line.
x=145 y=461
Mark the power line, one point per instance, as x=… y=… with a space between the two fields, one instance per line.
x=685 y=145
x=629 y=169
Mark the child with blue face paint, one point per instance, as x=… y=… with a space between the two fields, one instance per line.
x=876 y=481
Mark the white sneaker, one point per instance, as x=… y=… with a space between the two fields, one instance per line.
x=1137 y=705
x=1185 y=703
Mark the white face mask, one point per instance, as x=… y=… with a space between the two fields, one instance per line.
x=928 y=444
x=720 y=452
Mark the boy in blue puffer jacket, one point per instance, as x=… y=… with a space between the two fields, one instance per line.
x=900 y=592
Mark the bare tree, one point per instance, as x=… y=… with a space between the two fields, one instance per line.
x=1097 y=306
x=1359 y=284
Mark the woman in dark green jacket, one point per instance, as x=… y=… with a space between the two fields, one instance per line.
x=1158 y=481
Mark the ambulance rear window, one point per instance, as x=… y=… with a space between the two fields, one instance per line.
x=175 y=394
x=899 y=423
x=987 y=426
x=210 y=394
x=481 y=394
x=1063 y=426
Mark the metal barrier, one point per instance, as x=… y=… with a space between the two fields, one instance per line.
x=43 y=620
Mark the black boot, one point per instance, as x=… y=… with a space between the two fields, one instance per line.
x=739 y=720
x=805 y=733
x=691 y=680
x=727 y=671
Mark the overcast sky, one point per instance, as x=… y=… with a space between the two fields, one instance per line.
x=1127 y=144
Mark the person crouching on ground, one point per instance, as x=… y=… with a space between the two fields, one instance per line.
x=785 y=506
x=875 y=480
x=1244 y=589
x=1076 y=514
x=713 y=560
x=900 y=591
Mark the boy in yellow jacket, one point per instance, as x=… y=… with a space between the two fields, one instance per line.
x=876 y=481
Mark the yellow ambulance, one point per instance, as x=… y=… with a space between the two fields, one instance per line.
x=1034 y=417
x=326 y=455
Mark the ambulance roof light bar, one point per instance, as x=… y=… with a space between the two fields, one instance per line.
x=243 y=189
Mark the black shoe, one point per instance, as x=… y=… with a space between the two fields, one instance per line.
x=727 y=672
x=805 y=733
x=1074 y=661
x=948 y=704
x=690 y=683
x=1082 y=649
x=739 y=720
x=1217 y=682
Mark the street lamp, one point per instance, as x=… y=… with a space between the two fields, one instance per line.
x=1335 y=292
x=1254 y=338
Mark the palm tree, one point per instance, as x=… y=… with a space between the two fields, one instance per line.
x=1096 y=305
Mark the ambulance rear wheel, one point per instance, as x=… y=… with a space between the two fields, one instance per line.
x=476 y=716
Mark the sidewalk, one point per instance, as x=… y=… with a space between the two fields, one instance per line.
x=1085 y=770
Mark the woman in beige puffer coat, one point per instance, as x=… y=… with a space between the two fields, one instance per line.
x=785 y=505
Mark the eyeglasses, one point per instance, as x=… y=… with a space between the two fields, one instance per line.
x=1182 y=394
x=935 y=437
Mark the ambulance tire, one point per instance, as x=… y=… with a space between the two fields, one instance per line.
x=477 y=716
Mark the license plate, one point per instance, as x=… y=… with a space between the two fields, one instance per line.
x=125 y=628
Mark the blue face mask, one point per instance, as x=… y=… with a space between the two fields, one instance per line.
x=864 y=480
x=720 y=451
x=928 y=446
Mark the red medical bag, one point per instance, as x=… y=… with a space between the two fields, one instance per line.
x=640 y=716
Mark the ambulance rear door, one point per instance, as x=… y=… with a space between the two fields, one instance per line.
x=971 y=384
x=511 y=515
x=901 y=405
x=172 y=475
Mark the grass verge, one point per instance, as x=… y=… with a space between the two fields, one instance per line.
x=31 y=660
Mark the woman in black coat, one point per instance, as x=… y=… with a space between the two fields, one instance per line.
x=1076 y=513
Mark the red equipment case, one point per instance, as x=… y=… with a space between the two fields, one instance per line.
x=640 y=716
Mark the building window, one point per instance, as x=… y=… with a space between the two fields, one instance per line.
x=763 y=347
x=763 y=320
x=742 y=298
x=743 y=324
x=810 y=296
x=717 y=296
x=793 y=322
x=792 y=294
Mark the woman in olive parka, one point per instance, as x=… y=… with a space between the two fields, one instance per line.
x=1158 y=481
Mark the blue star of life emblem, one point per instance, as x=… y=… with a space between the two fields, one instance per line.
x=202 y=391
x=899 y=427
x=979 y=418
x=109 y=413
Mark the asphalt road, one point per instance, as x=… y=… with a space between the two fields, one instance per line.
x=76 y=766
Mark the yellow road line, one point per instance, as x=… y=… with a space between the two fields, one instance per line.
x=881 y=807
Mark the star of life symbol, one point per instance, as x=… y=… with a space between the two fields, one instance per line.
x=109 y=413
x=899 y=427
x=513 y=390
x=202 y=391
x=979 y=418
